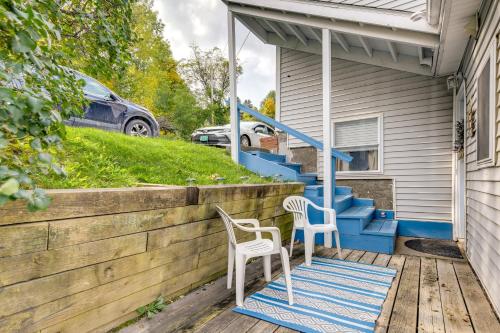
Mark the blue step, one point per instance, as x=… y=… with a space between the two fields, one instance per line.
x=294 y=166
x=269 y=156
x=381 y=227
x=353 y=220
x=342 y=202
x=363 y=202
x=343 y=190
x=317 y=190
x=307 y=178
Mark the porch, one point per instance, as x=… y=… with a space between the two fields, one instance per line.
x=367 y=85
x=428 y=295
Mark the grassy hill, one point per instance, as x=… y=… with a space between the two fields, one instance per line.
x=94 y=158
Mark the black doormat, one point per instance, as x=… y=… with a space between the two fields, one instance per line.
x=443 y=248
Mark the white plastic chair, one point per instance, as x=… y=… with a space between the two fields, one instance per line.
x=241 y=252
x=298 y=206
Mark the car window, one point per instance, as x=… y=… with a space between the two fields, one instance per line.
x=270 y=131
x=260 y=129
x=94 y=88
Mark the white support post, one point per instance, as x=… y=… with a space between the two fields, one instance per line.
x=327 y=131
x=233 y=101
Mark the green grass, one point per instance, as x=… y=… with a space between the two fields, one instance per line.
x=94 y=158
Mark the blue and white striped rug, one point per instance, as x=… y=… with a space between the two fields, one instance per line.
x=331 y=295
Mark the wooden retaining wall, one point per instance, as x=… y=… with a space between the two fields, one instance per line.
x=95 y=256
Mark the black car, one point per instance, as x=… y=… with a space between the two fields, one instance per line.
x=108 y=111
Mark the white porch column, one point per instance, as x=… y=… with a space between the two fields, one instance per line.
x=327 y=131
x=234 y=114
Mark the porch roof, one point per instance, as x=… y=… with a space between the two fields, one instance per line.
x=399 y=34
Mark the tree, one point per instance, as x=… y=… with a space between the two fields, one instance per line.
x=36 y=91
x=152 y=79
x=246 y=116
x=207 y=73
x=268 y=104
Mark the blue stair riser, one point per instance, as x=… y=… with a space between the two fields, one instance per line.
x=317 y=190
x=363 y=202
x=294 y=166
x=269 y=156
x=372 y=243
x=308 y=180
x=342 y=202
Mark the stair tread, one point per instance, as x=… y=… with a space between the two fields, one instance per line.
x=381 y=227
x=357 y=212
x=289 y=163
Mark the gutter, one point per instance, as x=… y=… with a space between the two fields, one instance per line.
x=433 y=11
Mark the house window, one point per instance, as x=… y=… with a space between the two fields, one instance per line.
x=361 y=139
x=486 y=110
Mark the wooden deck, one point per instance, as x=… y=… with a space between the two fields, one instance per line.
x=427 y=295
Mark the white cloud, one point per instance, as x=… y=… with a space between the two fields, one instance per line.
x=204 y=22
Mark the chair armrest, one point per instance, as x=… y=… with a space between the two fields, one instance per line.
x=274 y=231
x=254 y=222
x=275 y=234
x=332 y=214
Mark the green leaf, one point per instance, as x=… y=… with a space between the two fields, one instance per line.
x=3 y=143
x=22 y=42
x=45 y=158
x=40 y=200
x=36 y=144
x=36 y=104
x=10 y=187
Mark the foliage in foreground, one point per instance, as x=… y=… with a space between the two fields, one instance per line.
x=36 y=92
x=94 y=158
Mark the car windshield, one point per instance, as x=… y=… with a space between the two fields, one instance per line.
x=93 y=87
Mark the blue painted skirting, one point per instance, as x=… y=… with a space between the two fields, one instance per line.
x=425 y=229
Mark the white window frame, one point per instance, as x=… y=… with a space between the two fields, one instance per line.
x=491 y=56
x=380 y=119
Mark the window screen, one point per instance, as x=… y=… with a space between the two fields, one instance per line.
x=359 y=139
x=483 y=113
x=356 y=133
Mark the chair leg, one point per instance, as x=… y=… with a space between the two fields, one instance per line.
x=292 y=241
x=337 y=240
x=230 y=266
x=309 y=244
x=240 y=279
x=328 y=240
x=286 y=270
x=267 y=268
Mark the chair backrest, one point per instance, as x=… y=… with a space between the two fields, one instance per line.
x=228 y=223
x=297 y=205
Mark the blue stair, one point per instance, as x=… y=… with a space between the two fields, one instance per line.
x=361 y=225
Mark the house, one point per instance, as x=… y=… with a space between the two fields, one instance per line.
x=405 y=94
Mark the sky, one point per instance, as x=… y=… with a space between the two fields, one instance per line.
x=204 y=22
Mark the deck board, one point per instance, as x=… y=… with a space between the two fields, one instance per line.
x=396 y=262
x=482 y=316
x=427 y=295
x=456 y=317
x=404 y=312
x=430 y=313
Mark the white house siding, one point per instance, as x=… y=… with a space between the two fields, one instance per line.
x=417 y=123
x=483 y=185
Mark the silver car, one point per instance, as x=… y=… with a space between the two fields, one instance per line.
x=250 y=134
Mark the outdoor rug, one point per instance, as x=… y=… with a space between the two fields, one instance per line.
x=331 y=295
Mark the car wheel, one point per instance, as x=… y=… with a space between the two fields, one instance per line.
x=138 y=127
x=245 y=141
